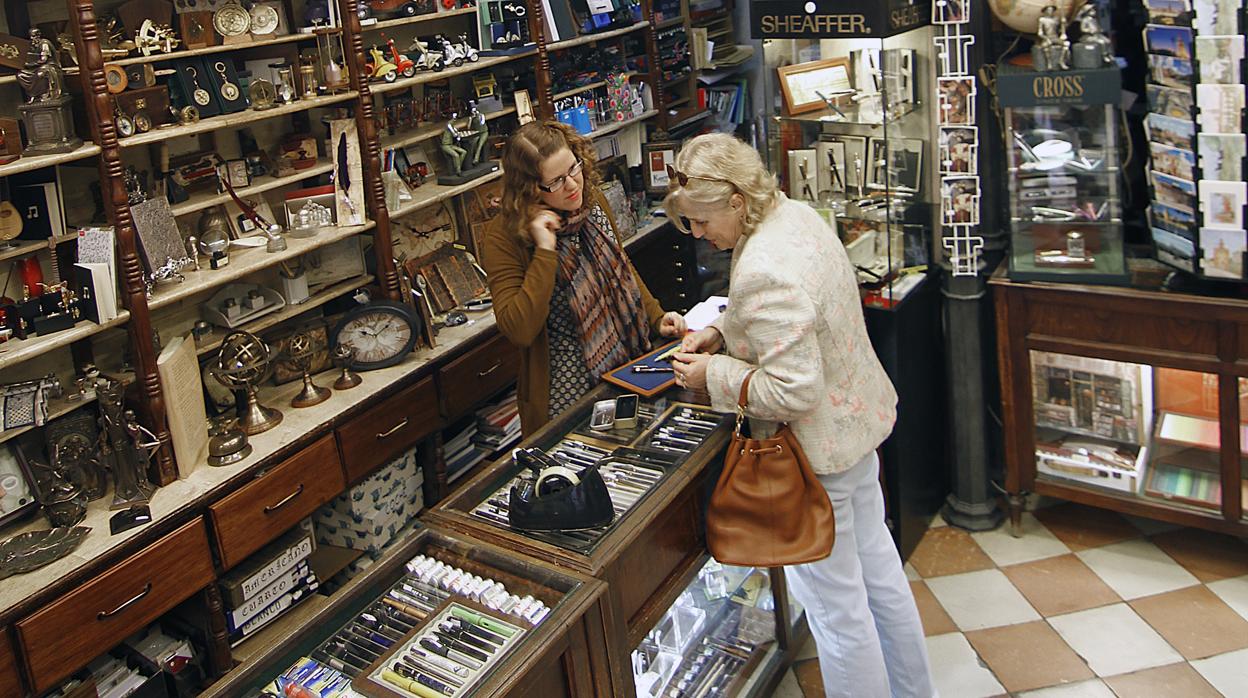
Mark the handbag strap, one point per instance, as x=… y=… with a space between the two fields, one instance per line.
x=743 y=401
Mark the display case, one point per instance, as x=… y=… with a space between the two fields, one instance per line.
x=1064 y=175
x=1131 y=399
x=653 y=553
x=849 y=133
x=508 y=625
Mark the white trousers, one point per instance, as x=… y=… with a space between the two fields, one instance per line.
x=857 y=600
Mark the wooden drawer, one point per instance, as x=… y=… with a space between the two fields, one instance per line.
x=10 y=681
x=388 y=429
x=474 y=376
x=264 y=509
x=69 y=632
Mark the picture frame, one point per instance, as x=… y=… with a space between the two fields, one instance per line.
x=524 y=106
x=956 y=101
x=1222 y=253
x=1222 y=155
x=18 y=494
x=959 y=150
x=656 y=156
x=896 y=163
x=959 y=200
x=804 y=85
x=1175 y=162
x=1222 y=204
x=854 y=169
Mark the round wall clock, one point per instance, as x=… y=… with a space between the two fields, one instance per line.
x=423 y=232
x=263 y=94
x=381 y=333
x=264 y=19
x=231 y=20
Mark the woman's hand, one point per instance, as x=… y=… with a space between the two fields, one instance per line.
x=673 y=325
x=543 y=227
x=690 y=370
x=707 y=340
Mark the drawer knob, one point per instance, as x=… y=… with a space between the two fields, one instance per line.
x=391 y=430
x=104 y=615
x=284 y=500
x=488 y=371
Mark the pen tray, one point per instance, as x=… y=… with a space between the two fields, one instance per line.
x=371 y=683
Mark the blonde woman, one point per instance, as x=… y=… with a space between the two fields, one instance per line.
x=564 y=291
x=795 y=318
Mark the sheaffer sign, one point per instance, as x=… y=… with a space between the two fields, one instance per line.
x=826 y=19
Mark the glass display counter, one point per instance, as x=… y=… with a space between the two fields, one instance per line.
x=439 y=615
x=670 y=611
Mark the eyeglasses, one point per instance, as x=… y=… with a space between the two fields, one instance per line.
x=675 y=175
x=561 y=182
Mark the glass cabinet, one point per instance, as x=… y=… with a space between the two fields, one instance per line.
x=1064 y=175
x=850 y=134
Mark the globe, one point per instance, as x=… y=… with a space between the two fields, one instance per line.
x=1024 y=15
x=243 y=360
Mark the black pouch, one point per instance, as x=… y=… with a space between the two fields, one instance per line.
x=561 y=499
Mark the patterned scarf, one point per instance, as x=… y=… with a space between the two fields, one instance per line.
x=605 y=299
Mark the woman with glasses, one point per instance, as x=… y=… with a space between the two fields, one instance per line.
x=564 y=290
x=794 y=319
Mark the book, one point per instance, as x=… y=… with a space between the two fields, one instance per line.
x=40 y=207
x=258 y=571
x=178 y=365
x=97 y=279
x=298 y=575
x=272 y=612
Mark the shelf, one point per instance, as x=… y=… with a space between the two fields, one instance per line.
x=591 y=38
x=433 y=130
x=288 y=311
x=404 y=21
x=432 y=192
x=12 y=79
x=678 y=102
x=586 y=88
x=17 y=350
x=669 y=23
x=26 y=163
x=235 y=120
x=56 y=409
x=690 y=119
x=244 y=262
x=207 y=50
x=621 y=125
x=740 y=54
x=653 y=224
x=379 y=88
x=204 y=200
x=21 y=248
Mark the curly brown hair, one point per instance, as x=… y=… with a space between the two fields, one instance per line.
x=526 y=150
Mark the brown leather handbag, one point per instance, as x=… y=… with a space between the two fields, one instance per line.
x=768 y=508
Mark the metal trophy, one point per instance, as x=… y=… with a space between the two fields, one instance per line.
x=242 y=362
x=300 y=349
x=46 y=114
x=344 y=358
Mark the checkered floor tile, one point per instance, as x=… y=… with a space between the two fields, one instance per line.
x=1086 y=603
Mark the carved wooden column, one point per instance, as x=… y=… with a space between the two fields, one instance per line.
x=655 y=76
x=151 y=408
x=219 y=658
x=537 y=24
x=370 y=155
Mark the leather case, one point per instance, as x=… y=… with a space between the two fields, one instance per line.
x=153 y=101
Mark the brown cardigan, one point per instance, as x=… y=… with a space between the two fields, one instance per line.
x=522 y=279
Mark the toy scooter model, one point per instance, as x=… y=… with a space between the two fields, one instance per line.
x=456 y=53
x=378 y=67
x=426 y=59
x=402 y=64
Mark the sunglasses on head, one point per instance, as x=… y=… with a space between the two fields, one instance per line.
x=675 y=175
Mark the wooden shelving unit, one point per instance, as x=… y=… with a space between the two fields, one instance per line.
x=384 y=24
x=251 y=116
x=204 y=200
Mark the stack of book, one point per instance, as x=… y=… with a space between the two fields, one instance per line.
x=461 y=452
x=267 y=584
x=498 y=425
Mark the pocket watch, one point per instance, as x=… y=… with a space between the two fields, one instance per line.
x=124 y=124
x=264 y=19
x=142 y=122
x=231 y=19
x=188 y=115
x=229 y=91
x=201 y=96
x=381 y=333
x=263 y=94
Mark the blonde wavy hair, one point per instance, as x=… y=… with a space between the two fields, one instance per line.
x=717 y=166
x=526 y=150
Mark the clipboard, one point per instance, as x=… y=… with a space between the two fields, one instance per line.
x=644 y=384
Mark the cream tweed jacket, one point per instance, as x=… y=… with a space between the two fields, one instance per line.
x=794 y=313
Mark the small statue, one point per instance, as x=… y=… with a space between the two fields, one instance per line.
x=1051 y=51
x=475 y=135
x=123 y=446
x=1093 y=49
x=455 y=154
x=42 y=77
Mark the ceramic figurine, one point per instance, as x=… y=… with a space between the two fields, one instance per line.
x=1093 y=49
x=1051 y=51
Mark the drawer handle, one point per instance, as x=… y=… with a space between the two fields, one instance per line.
x=488 y=371
x=284 y=501
x=391 y=430
x=104 y=615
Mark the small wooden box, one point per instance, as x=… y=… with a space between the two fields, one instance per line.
x=10 y=140
x=196 y=30
x=153 y=101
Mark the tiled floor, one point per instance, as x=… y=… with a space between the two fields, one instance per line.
x=1086 y=604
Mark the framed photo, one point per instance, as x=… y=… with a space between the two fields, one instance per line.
x=1174 y=191
x=1221 y=107
x=1216 y=17
x=1219 y=58
x=524 y=107
x=956 y=101
x=1222 y=155
x=1222 y=204
x=1222 y=253
x=896 y=163
x=1170 y=101
x=17 y=485
x=959 y=150
x=1168 y=40
x=656 y=156
x=1172 y=161
x=805 y=85
x=949 y=12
